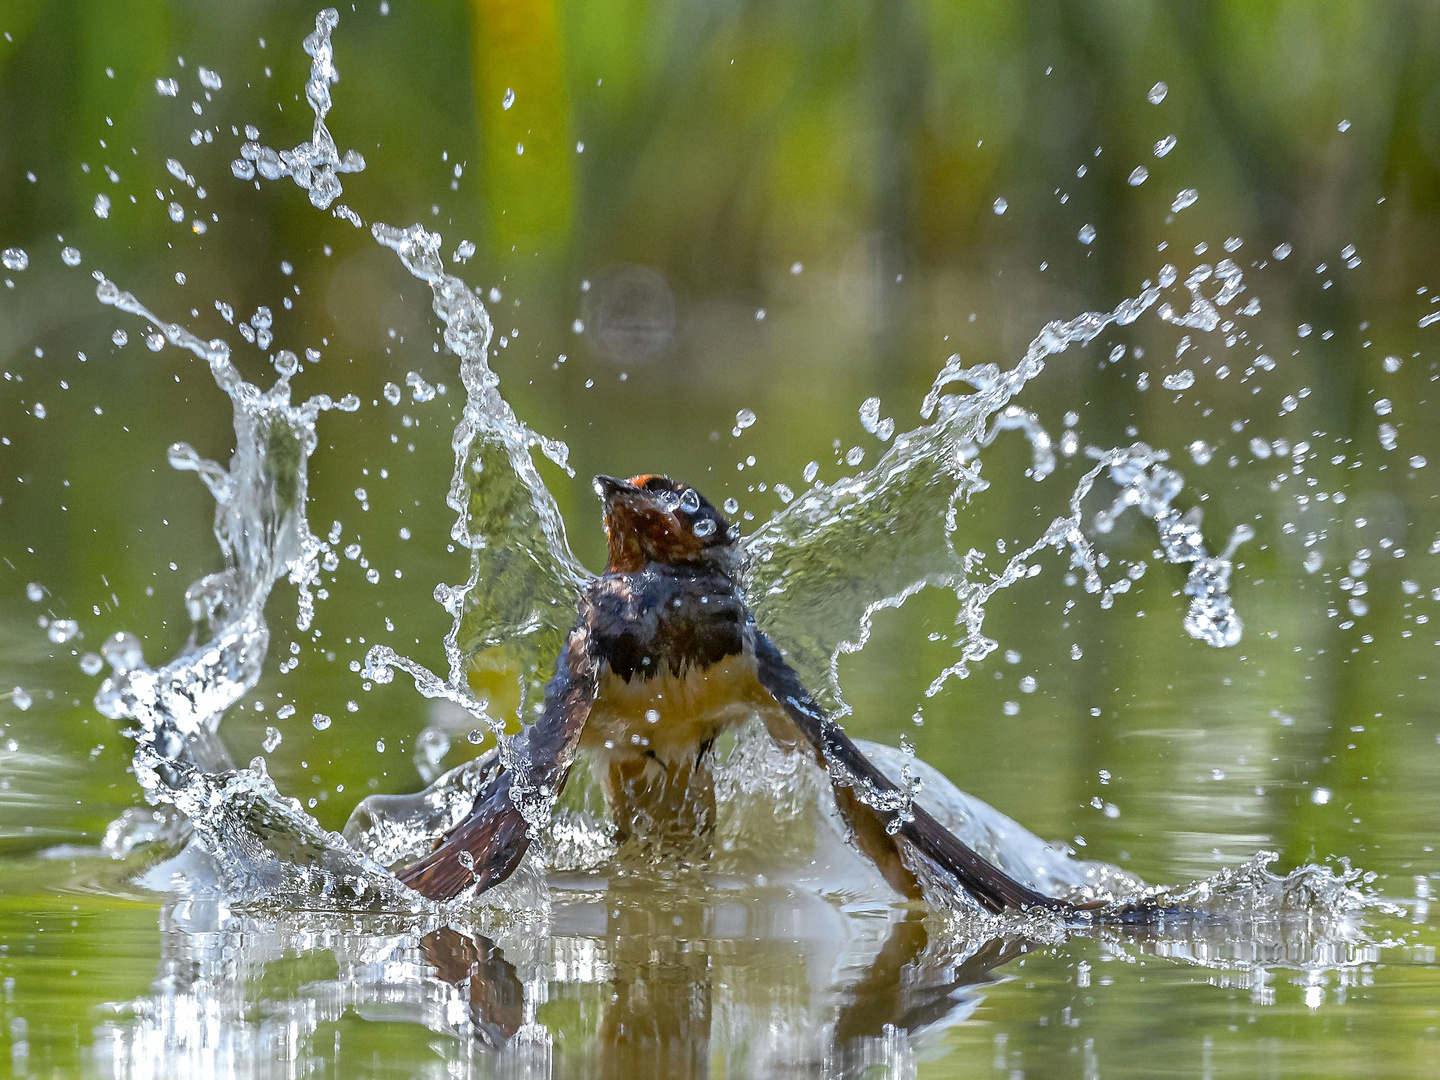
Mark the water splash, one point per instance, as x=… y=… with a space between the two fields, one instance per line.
x=315 y=164
x=262 y=845
x=819 y=572
x=816 y=576
x=506 y=517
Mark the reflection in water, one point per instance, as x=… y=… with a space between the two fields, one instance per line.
x=633 y=980
x=631 y=977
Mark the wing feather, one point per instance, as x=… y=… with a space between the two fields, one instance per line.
x=488 y=845
x=861 y=791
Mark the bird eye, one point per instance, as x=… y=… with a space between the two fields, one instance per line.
x=690 y=501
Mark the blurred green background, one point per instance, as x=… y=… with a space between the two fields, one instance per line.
x=690 y=209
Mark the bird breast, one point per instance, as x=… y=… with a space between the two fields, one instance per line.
x=673 y=715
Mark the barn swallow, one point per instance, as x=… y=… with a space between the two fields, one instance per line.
x=665 y=656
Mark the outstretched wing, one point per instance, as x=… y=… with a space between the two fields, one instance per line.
x=866 y=797
x=485 y=848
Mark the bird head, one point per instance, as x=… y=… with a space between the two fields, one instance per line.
x=655 y=519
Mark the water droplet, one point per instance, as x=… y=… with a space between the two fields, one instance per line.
x=20 y=699
x=167 y=87
x=1183 y=379
x=1320 y=796
x=1157 y=93
x=14 y=259
x=176 y=212
x=1201 y=452
x=209 y=80
x=1011 y=708
x=1087 y=234
x=1282 y=251
x=1383 y=407
x=1027 y=684
x=1165 y=145
x=285 y=712
x=420 y=390
x=62 y=630
x=731 y=506
x=70 y=256
x=1392 y=364
x=1313 y=562
x=1184 y=198
x=122 y=652
x=90 y=663
x=272 y=739
x=102 y=205
x=811 y=471
x=854 y=456
x=391 y=393
x=1387 y=435
x=155 y=342
x=35 y=592
x=1344 y=125
x=870 y=414
x=1138 y=175
x=320 y=721
x=744 y=418
x=1418 y=461
x=508 y=99
x=1001 y=206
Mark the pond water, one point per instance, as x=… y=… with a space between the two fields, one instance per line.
x=1071 y=381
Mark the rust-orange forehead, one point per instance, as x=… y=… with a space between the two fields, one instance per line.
x=642 y=479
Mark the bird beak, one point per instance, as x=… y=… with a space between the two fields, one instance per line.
x=613 y=491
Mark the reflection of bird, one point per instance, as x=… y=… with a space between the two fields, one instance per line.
x=497 y=996
x=664 y=658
